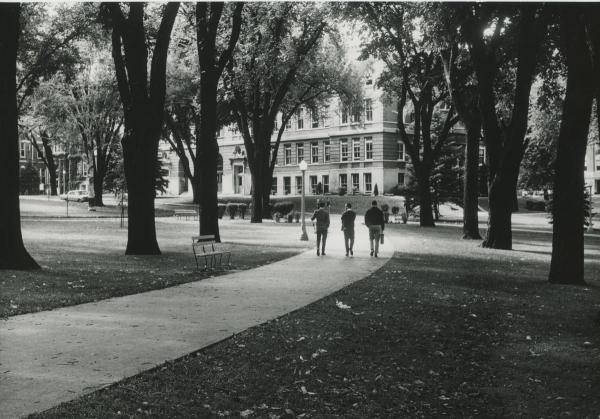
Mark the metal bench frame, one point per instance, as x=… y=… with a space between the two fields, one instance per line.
x=206 y=247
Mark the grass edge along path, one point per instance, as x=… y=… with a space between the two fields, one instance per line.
x=430 y=334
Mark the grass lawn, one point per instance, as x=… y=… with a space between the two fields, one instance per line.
x=83 y=260
x=444 y=329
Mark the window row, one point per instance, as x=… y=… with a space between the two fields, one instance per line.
x=322 y=187
x=305 y=118
x=349 y=150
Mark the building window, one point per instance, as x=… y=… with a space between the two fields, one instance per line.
x=356 y=149
x=287 y=152
x=344 y=150
x=400 y=178
x=288 y=124
x=355 y=117
x=481 y=156
x=220 y=182
x=274 y=186
x=287 y=185
x=300 y=152
x=400 y=150
x=326 y=151
x=368 y=148
x=368 y=182
x=300 y=118
x=299 y=185
x=315 y=119
x=325 y=182
x=314 y=153
x=23 y=152
x=355 y=182
x=368 y=110
x=344 y=115
x=313 y=185
x=39 y=155
x=344 y=181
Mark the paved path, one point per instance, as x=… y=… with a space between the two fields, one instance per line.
x=54 y=356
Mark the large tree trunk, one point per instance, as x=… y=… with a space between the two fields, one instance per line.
x=13 y=254
x=139 y=157
x=98 y=189
x=567 y=240
x=143 y=106
x=195 y=182
x=471 y=181
x=258 y=188
x=208 y=154
x=425 y=201
x=51 y=163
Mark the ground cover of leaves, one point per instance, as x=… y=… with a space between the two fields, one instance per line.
x=445 y=329
x=83 y=260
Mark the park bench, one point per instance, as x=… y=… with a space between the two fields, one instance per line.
x=205 y=247
x=186 y=214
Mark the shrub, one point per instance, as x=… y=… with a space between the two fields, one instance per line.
x=221 y=210
x=297 y=216
x=232 y=208
x=375 y=190
x=385 y=207
x=319 y=188
x=277 y=216
x=242 y=208
x=535 y=205
x=290 y=217
x=284 y=207
x=395 y=210
x=341 y=191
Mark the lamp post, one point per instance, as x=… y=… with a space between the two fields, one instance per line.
x=304 y=236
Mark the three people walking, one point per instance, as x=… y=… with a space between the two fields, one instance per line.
x=375 y=221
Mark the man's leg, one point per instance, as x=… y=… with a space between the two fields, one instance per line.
x=346 y=241
x=351 y=234
x=324 y=241
x=318 y=242
x=371 y=238
x=376 y=239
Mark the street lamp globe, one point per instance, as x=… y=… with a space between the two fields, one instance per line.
x=303 y=165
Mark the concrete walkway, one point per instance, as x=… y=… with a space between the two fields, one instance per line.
x=51 y=357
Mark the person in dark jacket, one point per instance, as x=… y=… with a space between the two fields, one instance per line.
x=375 y=222
x=348 y=218
x=322 y=217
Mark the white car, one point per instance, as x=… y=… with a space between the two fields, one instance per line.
x=76 y=195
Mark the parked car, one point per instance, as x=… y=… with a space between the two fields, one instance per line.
x=76 y=195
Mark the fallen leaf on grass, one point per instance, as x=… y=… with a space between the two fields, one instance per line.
x=246 y=413
x=341 y=305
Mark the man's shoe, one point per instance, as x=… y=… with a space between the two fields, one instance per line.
x=346 y=254
x=375 y=254
x=351 y=252
x=371 y=253
x=323 y=253
x=318 y=253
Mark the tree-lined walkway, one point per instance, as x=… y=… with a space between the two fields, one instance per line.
x=55 y=356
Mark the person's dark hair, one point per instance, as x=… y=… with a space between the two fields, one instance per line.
x=374 y=203
x=348 y=205
x=321 y=204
